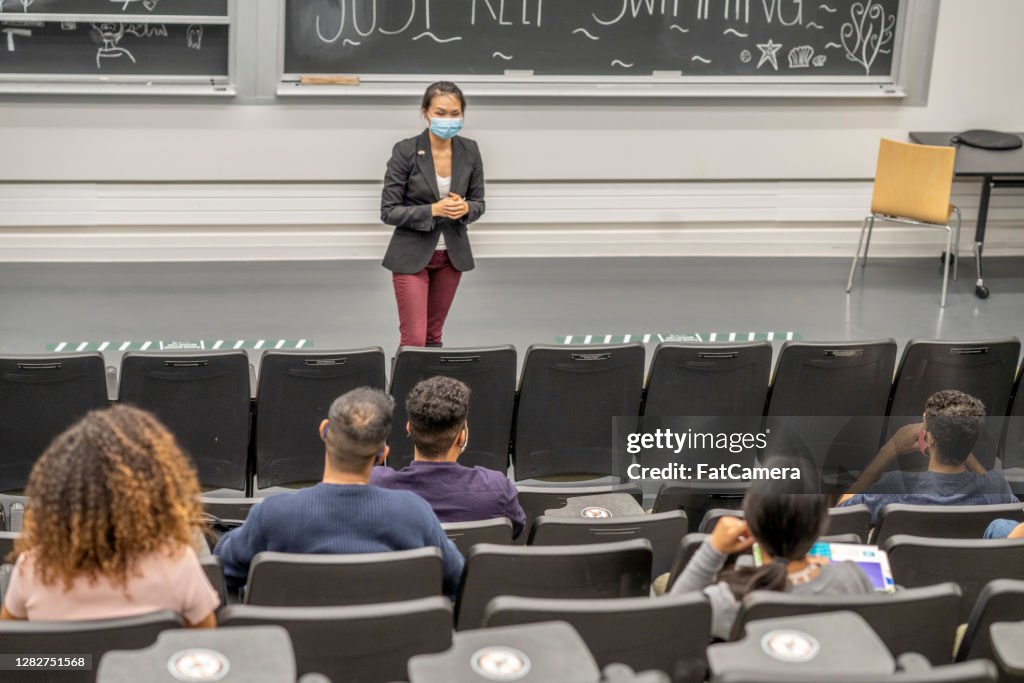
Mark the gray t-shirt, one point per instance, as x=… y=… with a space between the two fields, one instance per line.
x=835 y=578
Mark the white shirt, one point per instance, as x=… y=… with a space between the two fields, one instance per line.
x=444 y=186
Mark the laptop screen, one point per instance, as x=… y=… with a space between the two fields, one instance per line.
x=872 y=561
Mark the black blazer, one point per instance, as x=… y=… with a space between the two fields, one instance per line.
x=410 y=187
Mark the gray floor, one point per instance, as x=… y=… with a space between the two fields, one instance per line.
x=348 y=304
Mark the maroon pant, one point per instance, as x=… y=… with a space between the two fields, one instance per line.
x=424 y=299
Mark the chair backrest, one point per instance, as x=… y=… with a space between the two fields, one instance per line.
x=1012 y=447
x=367 y=643
x=664 y=530
x=7 y=539
x=983 y=369
x=295 y=391
x=853 y=519
x=215 y=574
x=1000 y=600
x=294 y=580
x=535 y=500
x=697 y=498
x=93 y=637
x=229 y=510
x=913 y=181
x=41 y=397
x=922 y=620
x=715 y=388
x=669 y=634
x=604 y=570
x=941 y=521
x=969 y=672
x=467 y=534
x=490 y=374
x=204 y=400
x=918 y=561
x=568 y=398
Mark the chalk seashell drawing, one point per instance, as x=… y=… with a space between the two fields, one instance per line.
x=800 y=57
x=819 y=60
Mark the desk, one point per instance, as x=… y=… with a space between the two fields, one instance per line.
x=997 y=169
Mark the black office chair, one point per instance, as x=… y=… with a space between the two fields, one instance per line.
x=669 y=634
x=295 y=391
x=568 y=398
x=367 y=643
x=941 y=521
x=41 y=397
x=983 y=369
x=536 y=500
x=664 y=530
x=465 y=535
x=604 y=570
x=204 y=400
x=827 y=404
x=490 y=374
x=92 y=637
x=1000 y=600
x=293 y=580
x=922 y=620
x=972 y=564
x=970 y=672
x=851 y=519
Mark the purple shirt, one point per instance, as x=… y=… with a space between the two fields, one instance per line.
x=455 y=492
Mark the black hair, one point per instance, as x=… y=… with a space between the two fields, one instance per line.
x=358 y=426
x=442 y=88
x=437 y=409
x=955 y=420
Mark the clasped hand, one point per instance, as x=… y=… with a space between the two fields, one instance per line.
x=453 y=206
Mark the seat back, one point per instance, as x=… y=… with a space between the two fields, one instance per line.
x=536 y=500
x=664 y=530
x=922 y=620
x=369 y=644
x=215 y=575
x=852 y=519
x=983 y=369
x=698 y=498
x=969 y=672
x=465 y=535
x=41 y=397
x=1000 y=600
x=668 y=634
x=295 y=391
x=604 y=570
x=294 y=580
x=1012 y=452
x=490 y=374
x=204 y=400
x=7 y=539
x=568 y=398
x=972 y=564
x=913 y=181
x=941 y=521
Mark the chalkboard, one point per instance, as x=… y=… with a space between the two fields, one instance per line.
x=211 y=8
x=795 y=40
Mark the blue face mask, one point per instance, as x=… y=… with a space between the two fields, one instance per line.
x=445 y=128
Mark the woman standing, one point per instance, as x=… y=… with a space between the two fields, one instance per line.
x=433 y=190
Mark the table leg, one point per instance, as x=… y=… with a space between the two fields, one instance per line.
x=980 y=290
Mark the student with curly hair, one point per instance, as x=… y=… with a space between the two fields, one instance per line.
x=110 y=528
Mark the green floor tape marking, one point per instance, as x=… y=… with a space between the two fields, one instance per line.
x=180 y=345
x=688 y=337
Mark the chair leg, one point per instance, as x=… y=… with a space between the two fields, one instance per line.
x=856 y=256
x=956 y=243
x=867 y=245
x=945 y=269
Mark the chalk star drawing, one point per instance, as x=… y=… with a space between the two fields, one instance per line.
x=769 y=53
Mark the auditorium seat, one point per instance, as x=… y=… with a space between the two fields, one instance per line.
x=941 y=521
x=983 y=369
x=1000 y=600
x=568 y=399
x=490 y=374
x=203 y=398
x=604 y=570
x=669 y=634
x=1012 y=445
x=230 y=511
x=7 y=539
x=972 y=564
x=41 y=397
x=467 y=534
x=293 y=580
x=536 y=500
x=365 y=643
x=922 y=620
x=215 y=574
x=852 y=519
x=295 y=391
x=664 y=530
x=697 y=498
x=969 y=672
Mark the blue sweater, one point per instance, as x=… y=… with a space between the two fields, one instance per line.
x=336 y=518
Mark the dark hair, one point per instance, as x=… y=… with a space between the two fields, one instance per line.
x=955 y=420
x=442 y=88
x=359 y=424
x=437 y=409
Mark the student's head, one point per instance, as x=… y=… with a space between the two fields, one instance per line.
x=111 y=489
x=443 y=99
x=437 y=409
x=356 y=429
x=953 y=422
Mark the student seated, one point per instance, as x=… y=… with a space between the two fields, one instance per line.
x=952 y=424
x=1005 y=528
x=784 y=526
x=437 y=409
x=342 y=514
x=109 y=531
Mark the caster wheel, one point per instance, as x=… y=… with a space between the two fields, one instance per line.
x=981 y=291
x=942 y=260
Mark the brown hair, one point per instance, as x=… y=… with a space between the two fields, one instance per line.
x=110 y=490
x=437 y=409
